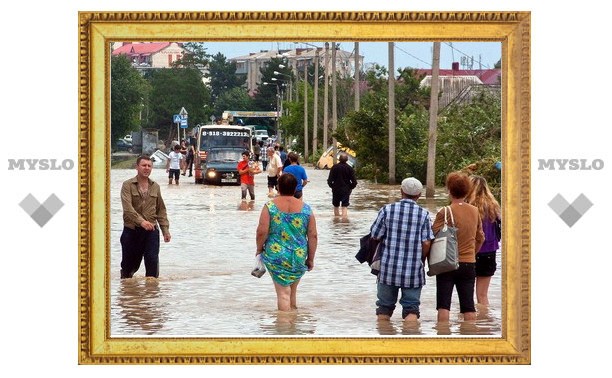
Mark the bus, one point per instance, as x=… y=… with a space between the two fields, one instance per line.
x=219 y=148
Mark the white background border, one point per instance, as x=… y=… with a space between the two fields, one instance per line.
x=40 y=106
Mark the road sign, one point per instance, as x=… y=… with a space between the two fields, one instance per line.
x=183 y=124
x=176 y=118
x=183 y=112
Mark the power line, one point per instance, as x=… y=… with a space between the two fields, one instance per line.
x=464 y=54
x=407 y=53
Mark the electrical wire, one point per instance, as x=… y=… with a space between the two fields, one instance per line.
x=409 y=54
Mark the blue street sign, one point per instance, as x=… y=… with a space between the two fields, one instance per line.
x=183 y=123
x=176 y=118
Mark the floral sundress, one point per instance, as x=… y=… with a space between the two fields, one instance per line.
x=286 y=248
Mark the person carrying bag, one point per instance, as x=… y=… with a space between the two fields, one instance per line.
x=443 y=255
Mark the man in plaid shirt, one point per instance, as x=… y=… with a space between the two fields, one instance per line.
x=404 y=231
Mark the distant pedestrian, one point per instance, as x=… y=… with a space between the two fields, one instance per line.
x=174 y=164
x=282 y=153
x=190 y=158
x=143 y=211
x=274 y=169
x=264 y=157
x=287 y=161
x=342 y=181
x=247 y=172
x=257 y=151
x=184 y=149
x=404 y=231
x=298 y=171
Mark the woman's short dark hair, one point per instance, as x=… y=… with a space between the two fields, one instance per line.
x=287 y=184
x=293 y=157
x=458 y=184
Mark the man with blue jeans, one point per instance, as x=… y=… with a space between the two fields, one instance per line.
x=404 y=231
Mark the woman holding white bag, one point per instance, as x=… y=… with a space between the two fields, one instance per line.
x=469 y=240
x=287 y=241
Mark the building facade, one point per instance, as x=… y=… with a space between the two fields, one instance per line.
x=460 y=85
x=250 y=65
x=150 y=54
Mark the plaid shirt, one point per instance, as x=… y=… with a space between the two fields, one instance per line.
x=402 y=227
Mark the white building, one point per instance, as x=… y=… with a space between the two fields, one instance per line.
x=251 y=64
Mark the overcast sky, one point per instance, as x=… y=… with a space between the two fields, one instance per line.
x=407 y=54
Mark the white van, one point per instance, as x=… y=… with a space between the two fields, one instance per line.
x=261 y=135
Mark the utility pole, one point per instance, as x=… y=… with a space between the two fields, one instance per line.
x=294 y=69
x=334 y=103
x=357 y=73
x=433 y=122
x=305 y=112
x=315 y=105
x=391 y=113
x=326 y=98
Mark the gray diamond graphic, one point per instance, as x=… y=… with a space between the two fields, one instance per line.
x=558 y=204
x=41 y=216
x=570 y=213
x=53 y=204
x=582 y=204
x=29 y=204
x=41 y=213
x=570 y=216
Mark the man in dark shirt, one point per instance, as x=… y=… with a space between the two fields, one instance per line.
x=342 y=181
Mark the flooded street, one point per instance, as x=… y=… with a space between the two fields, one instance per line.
x=205 y=288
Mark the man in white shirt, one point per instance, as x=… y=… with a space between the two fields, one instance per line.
x=274 y=169
x=174 y=164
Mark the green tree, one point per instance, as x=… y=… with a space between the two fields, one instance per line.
x=470 y=133
x=409 y=95
x=173 y=88
x=222 y=77
x=195 y=56
x=129 y=93
x=265 y=94
x=366 y=131
x=233 y=99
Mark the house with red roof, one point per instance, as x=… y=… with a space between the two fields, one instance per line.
x=150 y=54
x=459 y=85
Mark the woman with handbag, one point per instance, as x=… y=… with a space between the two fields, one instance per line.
x=469 y=240
x=490 y=213
x=287 y=241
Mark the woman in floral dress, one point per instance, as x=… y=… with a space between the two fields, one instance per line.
x=287 y=238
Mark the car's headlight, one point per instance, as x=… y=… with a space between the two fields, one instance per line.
x=211 y=174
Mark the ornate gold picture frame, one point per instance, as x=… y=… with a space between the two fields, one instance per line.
x=97 y=29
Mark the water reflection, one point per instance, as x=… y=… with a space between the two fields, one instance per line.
x=385 y=328
x=246 y=206
x=289 y=323
x=206 y=288
x=141 y=305
x=443 y=328
x=411 y=328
